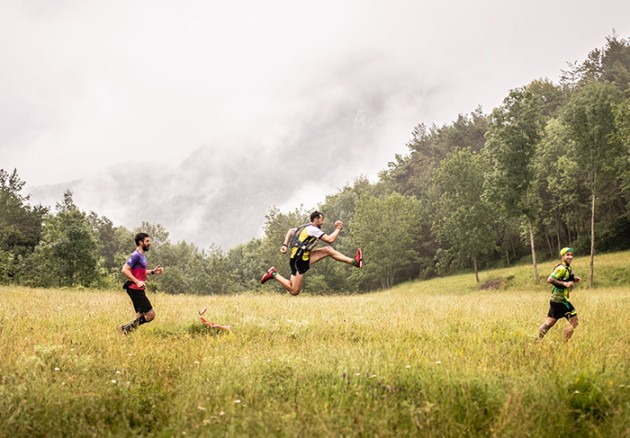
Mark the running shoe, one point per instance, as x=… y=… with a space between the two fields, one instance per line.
x=268 y=276
x=359 y=258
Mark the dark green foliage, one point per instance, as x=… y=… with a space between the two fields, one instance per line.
x=590 y=117
x=485 y=190
x=245 y=265
x=586 y=399
x=609 y=64
x=67 y=254
x=411 y=175
x=20 y=227
x=387 y=230
x=463 y=217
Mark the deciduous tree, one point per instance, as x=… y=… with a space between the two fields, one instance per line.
x=68 y=252
x=591 y=121
x=463 y=217
x=514 y=131
x=387 y=229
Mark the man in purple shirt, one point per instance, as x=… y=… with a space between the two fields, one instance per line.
x=135 y=269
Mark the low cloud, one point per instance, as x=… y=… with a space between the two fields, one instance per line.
x=221 y=192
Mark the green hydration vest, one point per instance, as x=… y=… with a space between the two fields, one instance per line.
x=561 y=272
x=301 y=242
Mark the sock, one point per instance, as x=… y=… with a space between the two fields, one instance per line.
x=354 y=263
x=130 y=327
x=274 y=274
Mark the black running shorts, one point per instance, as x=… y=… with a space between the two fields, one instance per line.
x=299 y=266
x=141 y=303
x=561 y=310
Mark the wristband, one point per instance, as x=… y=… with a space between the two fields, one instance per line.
x=284 y=244
x=152 y=271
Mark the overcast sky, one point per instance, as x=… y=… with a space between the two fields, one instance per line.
x=257 y=87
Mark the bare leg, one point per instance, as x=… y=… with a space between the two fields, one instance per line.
x=549 y=322
x=329 y=251
x=570 y=328
x=148 y=317
x=293 y=286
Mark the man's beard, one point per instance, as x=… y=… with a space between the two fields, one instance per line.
x=145 y=248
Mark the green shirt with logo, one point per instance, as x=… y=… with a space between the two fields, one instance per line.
x=561 y=272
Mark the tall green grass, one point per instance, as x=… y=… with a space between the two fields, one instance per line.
x=434 y=358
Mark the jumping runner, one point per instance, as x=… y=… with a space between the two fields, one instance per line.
x=301 y=241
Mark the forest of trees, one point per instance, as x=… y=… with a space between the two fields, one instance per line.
x=549 y=167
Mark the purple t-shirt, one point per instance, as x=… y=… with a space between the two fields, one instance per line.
x=138 y=264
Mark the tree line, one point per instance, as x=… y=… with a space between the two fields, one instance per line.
x=549 y=167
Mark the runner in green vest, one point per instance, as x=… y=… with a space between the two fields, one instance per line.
x=562 y=279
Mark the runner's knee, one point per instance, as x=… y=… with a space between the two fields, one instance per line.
x=149 y=316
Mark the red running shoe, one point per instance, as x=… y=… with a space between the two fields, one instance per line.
x=268 y=276
x=359 y=258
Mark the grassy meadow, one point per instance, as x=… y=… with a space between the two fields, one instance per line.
x=431 y=358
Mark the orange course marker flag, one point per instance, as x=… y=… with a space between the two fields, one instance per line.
x=212 y=324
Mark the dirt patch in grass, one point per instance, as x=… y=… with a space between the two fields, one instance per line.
x=497 y=283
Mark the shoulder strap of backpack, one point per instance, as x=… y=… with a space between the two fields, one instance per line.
x=295 y=237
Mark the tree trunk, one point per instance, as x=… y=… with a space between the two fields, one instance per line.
x=514 y=252
x=474 y=259
x=531 y=240
x=558 y=228
x=592 y=264
x=549 y=245
x=558 y=235
x=389 y=278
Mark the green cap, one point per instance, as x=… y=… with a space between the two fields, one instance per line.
x=565 y=250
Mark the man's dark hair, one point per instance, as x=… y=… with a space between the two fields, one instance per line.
x=140 y=237
x=316 y=214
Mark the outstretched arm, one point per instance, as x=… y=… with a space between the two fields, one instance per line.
x=330 y=238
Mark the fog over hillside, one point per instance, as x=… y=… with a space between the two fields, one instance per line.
x=221 y=192
x=202 y=115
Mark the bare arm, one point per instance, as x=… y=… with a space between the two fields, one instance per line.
x=330 y=238
x=559 y=283
x=287 y=238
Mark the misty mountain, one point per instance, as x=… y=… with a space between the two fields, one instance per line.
x=220 y=193
x=350 y=124
x=206 y=199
